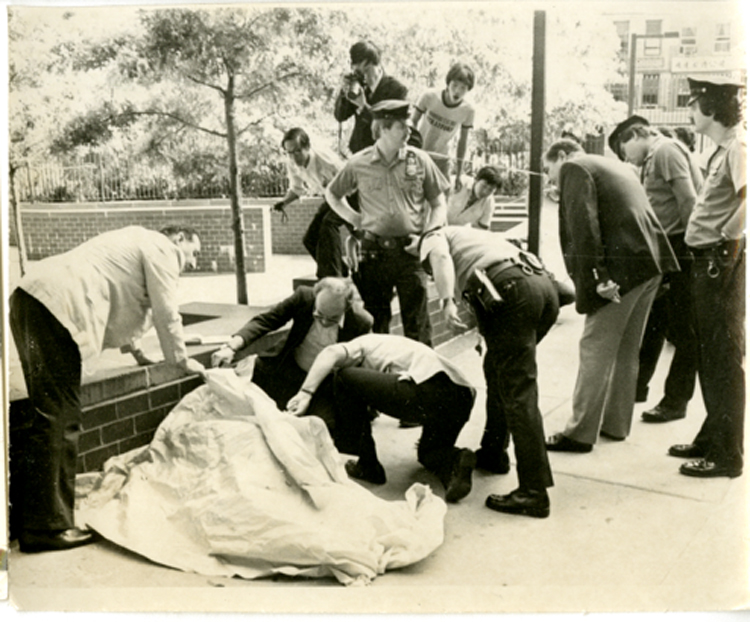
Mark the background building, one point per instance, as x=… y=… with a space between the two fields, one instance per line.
x=662 y=50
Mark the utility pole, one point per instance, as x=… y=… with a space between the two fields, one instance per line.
x=537 y=131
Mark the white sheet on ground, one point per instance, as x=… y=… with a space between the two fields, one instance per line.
x=231 y=486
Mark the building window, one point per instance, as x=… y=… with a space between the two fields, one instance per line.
x=722 y=41
x=688 y=45
x=623 y=31
x=652 y=41
x=650 y=90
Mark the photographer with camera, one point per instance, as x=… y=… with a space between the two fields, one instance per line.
x=365 y=86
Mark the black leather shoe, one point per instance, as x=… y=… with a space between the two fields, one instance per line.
x=493 y=462
x=559 y=442
x=525 y=502
x=706 y=468
x=688 y=450
x=374 y=474
x=662 y=414
x=611 y=437
x=38 y=541
x=459 y=482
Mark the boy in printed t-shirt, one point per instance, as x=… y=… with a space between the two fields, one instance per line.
x=438 y=116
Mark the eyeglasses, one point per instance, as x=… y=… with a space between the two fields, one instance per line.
x=296 y=151
x=326 y=320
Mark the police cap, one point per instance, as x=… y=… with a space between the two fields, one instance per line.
x=714 y=87
x=614 y=137
x=391 y=109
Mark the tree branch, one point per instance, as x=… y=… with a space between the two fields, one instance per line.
x=208 y=84
x=176 y=117
x=253 y=92
x=252 y=123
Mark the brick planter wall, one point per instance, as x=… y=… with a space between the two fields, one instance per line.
x=50 y=229
x=286 y=237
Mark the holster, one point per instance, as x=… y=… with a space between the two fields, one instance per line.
x=481 y=293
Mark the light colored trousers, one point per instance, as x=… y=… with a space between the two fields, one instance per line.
x=604 y=394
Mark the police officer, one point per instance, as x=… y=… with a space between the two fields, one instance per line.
x=671 y=179
x=400 y=197
x=715 y=236
x=516 y=303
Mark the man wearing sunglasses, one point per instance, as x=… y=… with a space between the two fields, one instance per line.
x=321 y=316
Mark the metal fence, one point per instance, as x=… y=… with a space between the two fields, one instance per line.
x=98 y=178
x=105 y=180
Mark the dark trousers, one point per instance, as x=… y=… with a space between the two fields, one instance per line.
x=718 y=288
x=512 y=332
x=281 y=379
x=670 y=318
x=442 y=407
x=44 y=436
x=323 y=241
x=379 y=272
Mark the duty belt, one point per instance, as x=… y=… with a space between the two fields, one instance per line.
x=719 y=254
x=386 y=242
x=718 y=248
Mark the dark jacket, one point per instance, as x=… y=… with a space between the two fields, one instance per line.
x=387 y=88
x=299 y=308
x=608 y=229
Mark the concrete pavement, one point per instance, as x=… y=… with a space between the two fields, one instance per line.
x=626 y=533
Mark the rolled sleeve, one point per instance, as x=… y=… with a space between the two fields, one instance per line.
x=435 y=183
x=434 y=241
x=345 y=182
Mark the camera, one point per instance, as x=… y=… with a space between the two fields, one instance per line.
x=354 y=82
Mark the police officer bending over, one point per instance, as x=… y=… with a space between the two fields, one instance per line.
x=516 y=302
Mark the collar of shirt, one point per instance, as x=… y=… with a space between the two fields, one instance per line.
x=340 y=323
x=732 y=134
x=375 y=85
x=377 y=155
x=658 y=141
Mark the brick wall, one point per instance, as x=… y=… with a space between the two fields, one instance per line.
x=286 y=237
x=50 y=229
x=138 y=402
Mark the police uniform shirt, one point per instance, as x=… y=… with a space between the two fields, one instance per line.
x=720 y=198
x=470 y=249
x=313 y=178
x=478 y=212
x=391 y=196
x=666 y=161
x=394 y=354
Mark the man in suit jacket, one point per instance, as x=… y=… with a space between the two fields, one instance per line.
x=356 y=97
x=615 y=251
x=66 y=310
x=321 y=316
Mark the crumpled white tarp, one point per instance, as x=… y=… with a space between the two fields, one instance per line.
x=231 y=486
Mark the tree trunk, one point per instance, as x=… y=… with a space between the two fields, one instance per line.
x=235 y=193
x=16 y=215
